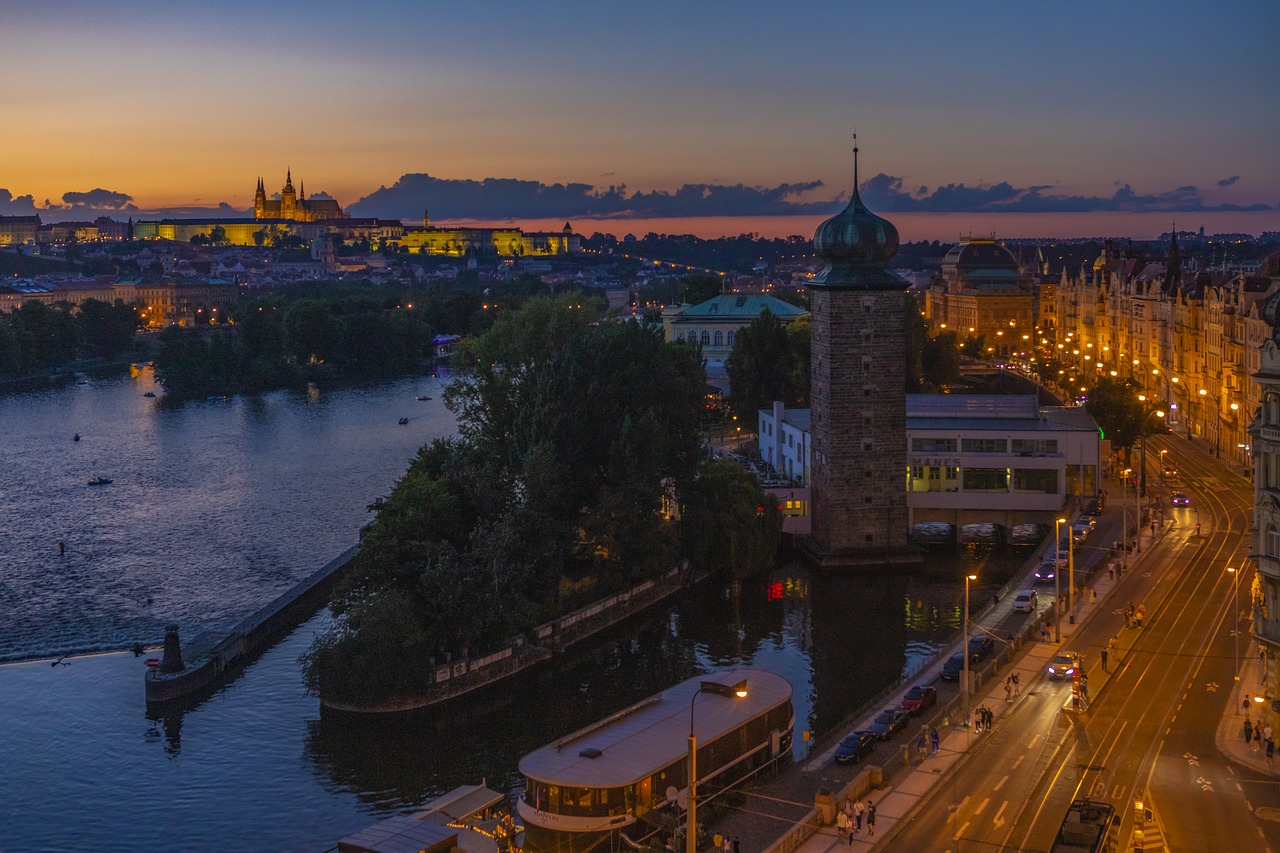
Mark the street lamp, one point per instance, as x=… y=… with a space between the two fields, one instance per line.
x=1235 y=617
x=738 y=690
x=1124 y=534
x=968 y=578
x=1057 y=570
x=1071 y=575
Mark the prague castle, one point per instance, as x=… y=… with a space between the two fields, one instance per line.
x=294 y=206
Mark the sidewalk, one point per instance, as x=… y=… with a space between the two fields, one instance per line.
x=1230 y=735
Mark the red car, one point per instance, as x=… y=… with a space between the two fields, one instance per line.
x=918 y=698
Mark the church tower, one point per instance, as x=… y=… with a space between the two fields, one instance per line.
x=260 y=201
x=288 y=198
x=858 y=393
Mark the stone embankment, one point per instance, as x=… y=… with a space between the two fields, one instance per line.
x=207 y=657
x=459 y=677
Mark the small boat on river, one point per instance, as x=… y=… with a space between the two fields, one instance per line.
x=100 y=481
x=403 y=421
x=423 y=397
x=149 y=394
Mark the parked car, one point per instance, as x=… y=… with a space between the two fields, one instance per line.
x=887 y=722
x=980 y=646
x=1180 y=499
x=1063 y=665
x=1047 y=572
x=854 y=747
x=1080 y=532
x=1092 y=508
x=953 y=667
x=918 y=698
x=1025 y=601
x=1085 y=518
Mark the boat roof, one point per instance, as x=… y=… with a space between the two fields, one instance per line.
x=435 y=827
x=630 y=745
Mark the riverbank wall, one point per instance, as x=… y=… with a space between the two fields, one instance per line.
x=208 y=656
x=457 y=677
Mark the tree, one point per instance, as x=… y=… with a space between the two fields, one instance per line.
x=763 y=366
x=729 y=522
x=1122 y=417
x=698 y=287
x=940 y=360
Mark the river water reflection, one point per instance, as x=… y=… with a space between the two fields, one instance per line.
x=216 y=508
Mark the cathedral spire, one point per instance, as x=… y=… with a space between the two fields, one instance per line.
x=302 y=190
x=288 y=179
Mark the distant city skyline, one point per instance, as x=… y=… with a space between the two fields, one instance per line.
x=658 y=111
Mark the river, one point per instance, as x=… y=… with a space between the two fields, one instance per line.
x=214 y=509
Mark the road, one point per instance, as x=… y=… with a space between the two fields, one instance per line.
x=1149 y=733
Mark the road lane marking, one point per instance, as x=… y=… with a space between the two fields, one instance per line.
x=999 y=819
x=982 y=805
x=1000 y=784
x=960 y=831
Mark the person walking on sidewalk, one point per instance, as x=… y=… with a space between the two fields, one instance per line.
x=843 y=832
x=1017 y=685
x=858 y=811
x=1271 y=749
x=871 y=819
x=1008 y=689
x=934 y=739
x=1248 y=732
x=1257 y=737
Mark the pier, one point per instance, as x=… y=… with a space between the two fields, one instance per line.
x=204 y=660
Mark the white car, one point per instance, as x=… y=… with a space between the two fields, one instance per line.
x=1025 y=601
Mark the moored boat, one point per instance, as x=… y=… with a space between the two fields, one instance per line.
x=100 y=481
x=624 y=769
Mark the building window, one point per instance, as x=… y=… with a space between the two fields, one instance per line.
x=732 y=337
x=692 y=337
x=984 y=445
x=719 y=339
x=706 y=338
x=933 y=445
x=1043 y=480
x=1035 y=445
x=986 y=479
x=1273 y=541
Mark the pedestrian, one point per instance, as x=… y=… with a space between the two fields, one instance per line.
x=842 y=829
x=1142 y=614
x=717 y=841
x=728 y=845
x=1248 y=732
x=1104 y=660
x=737 y=848
x=1111 y=571
x=1266 y=732
x=1084 y=686
x=871 y=818
x=1271 y=749
x=934 y=739
x=991 y=718
x=858 y=811
x=1008 y=689
x=922 y=745
x=1257 y=737
x=1112 y=642
x=1017 y=685
x=848 y=809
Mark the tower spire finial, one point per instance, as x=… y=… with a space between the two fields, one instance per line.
x=855 y=160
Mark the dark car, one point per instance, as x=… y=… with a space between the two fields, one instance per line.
x=887 y=722
x=854 y=746
x=953 y=667
x=1047 y=571
x=1180 y=499
x=980 y=646
x=918 y=698
x=1092 y=508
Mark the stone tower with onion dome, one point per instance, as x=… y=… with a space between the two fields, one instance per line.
x=858 y=394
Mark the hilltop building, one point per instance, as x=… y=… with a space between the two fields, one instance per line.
x=294 y=206
x=504 y=242
x=715 y=324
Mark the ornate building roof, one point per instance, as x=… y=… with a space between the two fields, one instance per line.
x=856 y=245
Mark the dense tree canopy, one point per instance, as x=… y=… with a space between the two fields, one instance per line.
x=769 y=362
x=576 y=437
x=37 y=338
x=1123 y=418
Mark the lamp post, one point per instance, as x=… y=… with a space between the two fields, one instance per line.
x=967 y=578
x=1235 y=616
x=1057 y=570
x=1071 y=576
x=1124 y=534
x=728 y=690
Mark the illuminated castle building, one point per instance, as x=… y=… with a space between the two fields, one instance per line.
x=294 y=206
x=504 y=242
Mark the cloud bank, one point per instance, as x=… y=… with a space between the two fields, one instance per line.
x=497 y=199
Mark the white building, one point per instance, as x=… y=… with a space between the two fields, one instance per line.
x=971 y=458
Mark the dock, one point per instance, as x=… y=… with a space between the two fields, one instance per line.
x=203 y=661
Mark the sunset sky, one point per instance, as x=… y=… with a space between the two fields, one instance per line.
x=1010 y=106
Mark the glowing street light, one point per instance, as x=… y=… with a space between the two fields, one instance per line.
x=739 y=691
